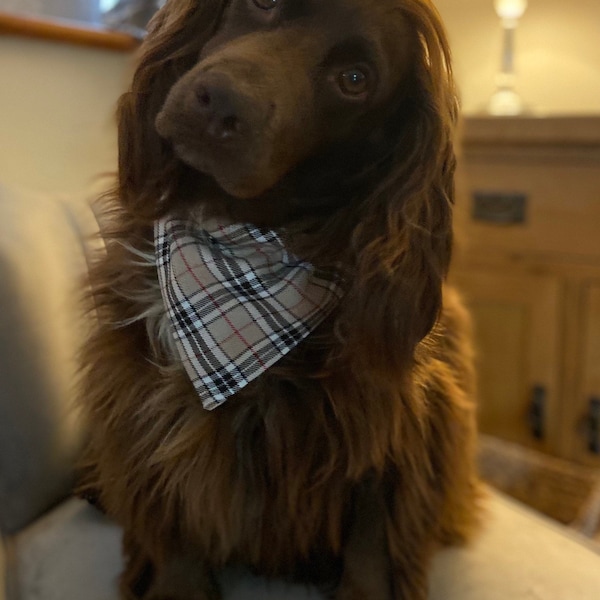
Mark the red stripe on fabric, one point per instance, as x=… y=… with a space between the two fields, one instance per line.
x=257 y=245
x=300 y=292
x=212 y=299
x=302 y=295
x=224 y=340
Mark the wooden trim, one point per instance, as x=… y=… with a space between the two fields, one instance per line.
x=554 y=131
x=65 y=31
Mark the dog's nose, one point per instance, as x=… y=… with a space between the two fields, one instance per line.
x=219 y=109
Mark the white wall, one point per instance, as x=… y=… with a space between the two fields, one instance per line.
x=558 y=60
x=57 y=104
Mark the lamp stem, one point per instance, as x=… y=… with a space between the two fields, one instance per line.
x=506 y=101
x=508 y=53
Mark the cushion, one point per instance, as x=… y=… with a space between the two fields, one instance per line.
x=42 y=261
x=70 y=554
x=73 y=553
x=519 y=556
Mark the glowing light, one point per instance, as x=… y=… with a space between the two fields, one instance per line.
x=510 y=9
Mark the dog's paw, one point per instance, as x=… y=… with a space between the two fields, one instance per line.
x=350 y=593
x=205 y=592
x=202 y=594
x=197 y=596
x=366 y=589
x=184 y=579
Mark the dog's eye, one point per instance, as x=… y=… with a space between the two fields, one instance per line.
x=265 y=4
x=354 y=82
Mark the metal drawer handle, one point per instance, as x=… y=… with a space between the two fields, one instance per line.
x=537 y=412
x=594 y=426
x=500 y=208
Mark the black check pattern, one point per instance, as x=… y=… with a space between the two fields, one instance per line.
x=237 y=300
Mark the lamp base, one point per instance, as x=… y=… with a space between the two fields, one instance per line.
x=505 y=102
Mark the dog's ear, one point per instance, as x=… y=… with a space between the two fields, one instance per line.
x=176 y=35
x=403 y=243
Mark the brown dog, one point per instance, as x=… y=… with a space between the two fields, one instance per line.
x=350 y=459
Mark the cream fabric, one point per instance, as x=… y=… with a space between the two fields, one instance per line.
x=41 y=265
x=73 y=553
x=519 y=556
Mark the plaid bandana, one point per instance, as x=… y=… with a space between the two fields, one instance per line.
x=237 y=300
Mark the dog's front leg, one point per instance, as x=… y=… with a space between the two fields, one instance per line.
x=411 y=526
x=184 y=576
x=367 y=570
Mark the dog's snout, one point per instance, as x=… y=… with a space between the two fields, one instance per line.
x=220 y=109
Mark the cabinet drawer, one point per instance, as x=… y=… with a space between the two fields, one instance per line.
x=530 y=206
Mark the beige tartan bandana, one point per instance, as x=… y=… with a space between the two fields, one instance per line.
x=237 y=300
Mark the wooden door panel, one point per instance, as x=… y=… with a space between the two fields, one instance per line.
x=517 y=331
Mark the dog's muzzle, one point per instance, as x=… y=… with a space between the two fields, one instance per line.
x=243 y=116
x=226 y=115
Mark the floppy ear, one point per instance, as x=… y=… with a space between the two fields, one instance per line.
x=402 y=244
x=147 y=167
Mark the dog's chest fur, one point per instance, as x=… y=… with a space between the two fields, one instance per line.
x=274 y=449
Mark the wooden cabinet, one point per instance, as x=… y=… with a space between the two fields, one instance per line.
x=528 y=264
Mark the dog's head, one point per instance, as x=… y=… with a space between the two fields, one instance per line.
x=263 y=95
x=281 y=79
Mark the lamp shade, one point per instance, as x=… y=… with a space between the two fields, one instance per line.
x=510 y=9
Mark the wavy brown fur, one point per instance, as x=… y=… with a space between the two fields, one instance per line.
x=352 y=458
